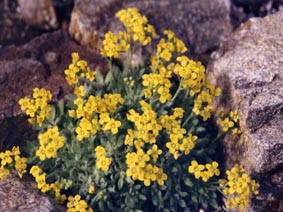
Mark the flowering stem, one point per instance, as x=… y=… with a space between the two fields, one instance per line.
x=178 y=91
x=128 y=60
x=187 y=119
x=110 y=63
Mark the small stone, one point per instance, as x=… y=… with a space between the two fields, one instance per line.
x=38 y=13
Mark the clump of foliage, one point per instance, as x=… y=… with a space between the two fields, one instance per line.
x=138 y=139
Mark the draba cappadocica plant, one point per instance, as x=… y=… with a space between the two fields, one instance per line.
x=137 y=139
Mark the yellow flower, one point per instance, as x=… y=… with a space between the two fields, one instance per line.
x=100 y=151
x=103 y=163
x=196 y=169
x=226 y=124
x=133 y=172
x=173 y=147
x=234 y=116
x=112 y=125
x=4 y=172
x=91 y=189
x=149 y=174
x=35 y=171
x=41 y=180
x=238 y=188
x=79 y=91
x=154 y=152
x=141 y=158
x=20 y=165
x=212 y=169
x=6 y=157
x=110 y=47
x=161 y=176
x=16 y=151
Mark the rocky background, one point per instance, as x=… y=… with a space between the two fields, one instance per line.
x=240 y=42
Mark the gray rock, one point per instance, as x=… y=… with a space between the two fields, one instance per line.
x=200 y=24
x=39 y=63
x=248 y=67
x=13 y=29
x=22 y=195
x=38 y=13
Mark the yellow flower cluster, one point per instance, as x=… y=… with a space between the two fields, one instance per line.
x=95 y=114
x=140 y=168
x=76 y=204
x=230 y=122
x=147 y=127
x=113 y=44
x=238 y=187
x=78 y=69
x=102 y=162
x=166 y=49
x=203 y=104
x=141 y=165
x=137 y=28
x=137 y=25
x=180 y=140
x=10 y=159
x=40 y=178
x=37 y=107
x=205 y=172
x=50 y=142
x=192 y=74
x=158 y=82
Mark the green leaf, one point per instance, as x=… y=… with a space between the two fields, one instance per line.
x=61 y=107
x=109 y=77
x=174 y=169
x=204 y=203
x=182 y=203
x=101 y=206
x=160 y=200
x=188 y=182
x=99 y=77
x=120 y=182
x=200 y=129
x=183 y=194
x=155 y=200
x=53 y=114
x=142 y=197
x=130 y=202
x=70 y=97
x=213 y=203
x=194 y=198
x=138 y=187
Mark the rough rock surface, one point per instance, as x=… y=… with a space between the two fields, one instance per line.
x=22 y=195
x=200 y=24
x=39 y=63
x=38 y=13
x=248 y=67
x=13 y=29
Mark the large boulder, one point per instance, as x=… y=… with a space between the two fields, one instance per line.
x=248 y=67
x=38 y=63
x=22 y=195
x=201 y=24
